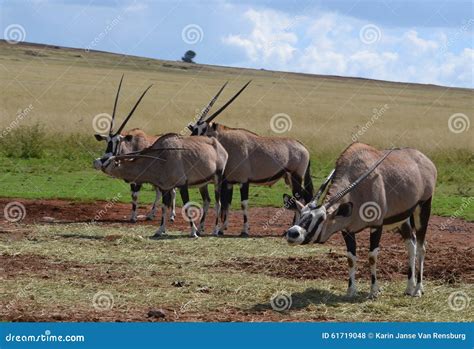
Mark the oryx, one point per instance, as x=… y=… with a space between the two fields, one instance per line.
x=255 y=159
x=372 y=189
x=176 y=161
x=125 y=142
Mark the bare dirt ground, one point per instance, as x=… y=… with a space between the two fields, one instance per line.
x=450 y=257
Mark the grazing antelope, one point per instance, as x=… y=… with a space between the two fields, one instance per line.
x=254 y=159
x=131 y=141
x=175 y=162
x=376 y=190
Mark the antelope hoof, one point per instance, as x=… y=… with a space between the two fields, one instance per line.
x=133 y=220
x=351 y=292
x=374 y=294
x=172 y=217
x=194 y=235
x=410 y=290
x=150 y=217
x=244 y=234
x=158 y=234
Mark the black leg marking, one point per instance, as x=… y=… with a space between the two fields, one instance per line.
x=351 y=245
x=244 y=198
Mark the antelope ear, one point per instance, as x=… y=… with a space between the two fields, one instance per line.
x=100 y=137
x=291 y=203
x=344 y=210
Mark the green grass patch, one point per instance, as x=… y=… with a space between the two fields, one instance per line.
x=63 y=170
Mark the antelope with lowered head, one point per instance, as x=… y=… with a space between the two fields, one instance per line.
x=119 y=143
x=377 y=190
x=255 y=159
x=176 y=162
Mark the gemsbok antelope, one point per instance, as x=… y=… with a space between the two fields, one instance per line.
x=126 y=142
x=172 y=162
x=377 y=190
x=254 y=159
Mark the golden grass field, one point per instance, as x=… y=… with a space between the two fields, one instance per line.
x=68 y=87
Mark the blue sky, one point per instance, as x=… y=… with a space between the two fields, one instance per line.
x=413 y=41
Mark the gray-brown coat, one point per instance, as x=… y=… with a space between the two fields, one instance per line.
x=370 y=190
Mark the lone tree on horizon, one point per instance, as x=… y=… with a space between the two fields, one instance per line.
x=188 y=56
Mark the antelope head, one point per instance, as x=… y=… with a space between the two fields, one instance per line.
x=115 y=139
x=317 y=222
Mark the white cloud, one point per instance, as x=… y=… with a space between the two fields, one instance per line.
x=270 y=38
x=418 y=43
x=329 y=43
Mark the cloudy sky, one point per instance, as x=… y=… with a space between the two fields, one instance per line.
x=402 y=40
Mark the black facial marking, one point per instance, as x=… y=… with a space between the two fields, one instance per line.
x=311 y=234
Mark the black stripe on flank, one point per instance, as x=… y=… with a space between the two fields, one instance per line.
x=400 y=217
x=270 y=179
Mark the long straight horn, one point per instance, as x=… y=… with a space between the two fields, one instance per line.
x=323 y=187
x=354 y=184
x=205 y=111
x=115 y=107
x=132 y=111
x=221 y=109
